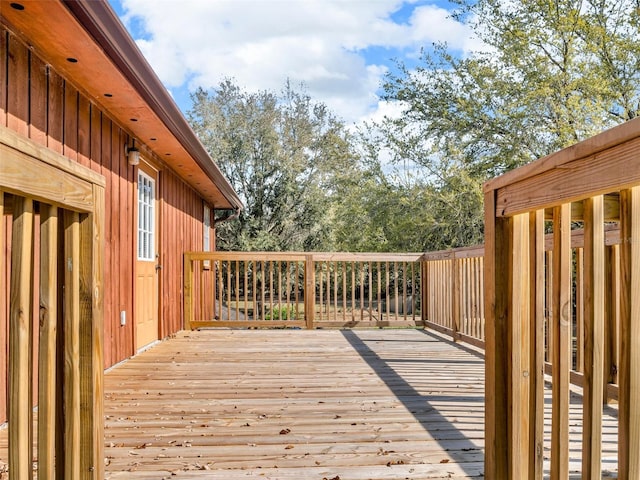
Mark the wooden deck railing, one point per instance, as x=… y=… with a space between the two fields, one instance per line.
x=51 y=303
x=592 y=185
x=302 y=289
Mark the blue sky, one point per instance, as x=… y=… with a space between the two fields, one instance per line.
x=338 y=49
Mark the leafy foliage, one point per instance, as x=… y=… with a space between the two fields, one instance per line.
x=280 y=153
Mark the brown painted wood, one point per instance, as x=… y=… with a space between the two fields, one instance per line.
x=18 y=87
x=3 y=75
x=84 y=131
x=55 y=113
x=38 y=100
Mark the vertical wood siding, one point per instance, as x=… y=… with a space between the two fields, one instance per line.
x=38 y=103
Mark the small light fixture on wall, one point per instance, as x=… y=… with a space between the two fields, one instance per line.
x=133 y=155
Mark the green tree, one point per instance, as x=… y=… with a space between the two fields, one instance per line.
x=550 y=73
x=281 y=153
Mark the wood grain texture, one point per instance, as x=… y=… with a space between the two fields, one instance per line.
x=72 y=380
x=561 y=358
x=20 y=341
x=594 y=312
x=497 y=274
x=629 y=373
x=537 y=349
x=47 y=357
x=18 y=86
x=309 y=404
x=519 y=349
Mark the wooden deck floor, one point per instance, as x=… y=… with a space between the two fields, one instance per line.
x=297 y=404
x=306 y=405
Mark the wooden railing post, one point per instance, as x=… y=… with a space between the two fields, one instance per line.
x=497 y=247
x=629 y=374
x=455 y=296
x=594 y=312
x=561 y=363
x=310 y=291
x=188 y=292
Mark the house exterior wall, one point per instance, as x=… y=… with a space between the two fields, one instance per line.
x=38 y=103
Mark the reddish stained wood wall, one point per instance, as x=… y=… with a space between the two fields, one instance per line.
x=38 y=103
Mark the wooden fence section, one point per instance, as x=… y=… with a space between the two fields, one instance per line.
x=453 y=293
x=302 y=289
x=52 y=225
x=593 y=184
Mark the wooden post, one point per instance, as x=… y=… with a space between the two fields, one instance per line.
x=561 y=323
x=310 y=291
x=72 y=450
x=97 y=235
x=497 y=357
x=519 y=346
x=629 y=373
x=594 y=311
x=47 y=341
x=20 y=341
x=455 y=296
x=188 y=292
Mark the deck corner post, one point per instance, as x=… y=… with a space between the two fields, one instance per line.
x=497 y=240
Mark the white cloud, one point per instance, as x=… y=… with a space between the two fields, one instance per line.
x=321 y=43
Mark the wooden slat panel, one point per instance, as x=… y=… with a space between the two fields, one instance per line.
x=48 y=342
x=561 y=342
x=20 y=332
x=18 y=87
x=38 y=101
x=4 y=310
x=84 y=129
x=109 y=307
x=537 y=326
x=70 y=147
x=594 y=311
x=3 y=76
x=612 y=317
x=55 y=114
x=72 y=450
x=97 y=355
x=629 y=374
x=519 y=346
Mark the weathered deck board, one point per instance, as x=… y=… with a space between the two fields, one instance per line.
x=298 y=404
